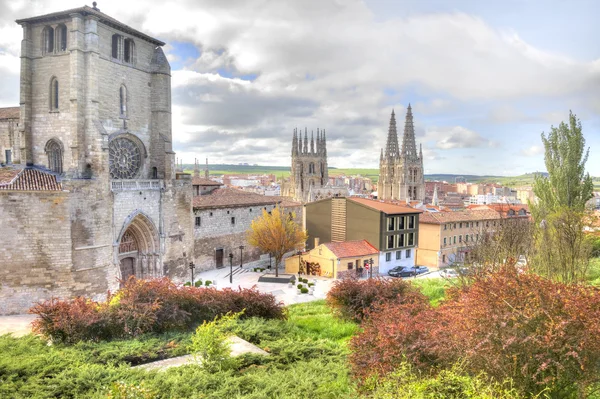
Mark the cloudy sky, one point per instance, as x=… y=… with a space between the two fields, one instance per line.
x=485 y=78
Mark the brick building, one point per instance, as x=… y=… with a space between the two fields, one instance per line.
x=92 y=194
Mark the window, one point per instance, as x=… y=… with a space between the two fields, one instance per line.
x=128 y=48
x=444 y=241
x=471 y=224
x=250 y=209
x=411 y=239
x=454 y=240
x=210 y=214
x=390 y=224
x=443 y=258
x=408 y=253
x=123 y=101
x=8 y=154
x=445 y=227
x=401 y=240
x=487 y=224
x=460 y=225
x=388 y=256
x=61 y=40
x=155 y=172
x=401 y=223
x=466 y=238
x=411 y=222
x=390 y=242
x=233 y=220
x=116 y=43
x=460 y=238
x=54 y=152
x=198 y=221
x=350 y=265
x=398 y=255
x=228 y=212
x=48 y=40
x=454 y=225
x=54 y=94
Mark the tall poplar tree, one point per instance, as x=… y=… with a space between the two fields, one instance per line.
x=559 y=213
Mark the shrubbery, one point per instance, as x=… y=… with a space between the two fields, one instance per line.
x=147 y=306
x=353 y=298
x=541 y=335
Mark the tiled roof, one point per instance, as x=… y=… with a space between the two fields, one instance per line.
x=458 y=216
x=348 y=249
x=29 y=180
x=86 y=10
x=504 y=209
x=202 y=181
x=10 y=113
x=287 y=202
x=385 y=207
x=7 y=175
x=226 y=197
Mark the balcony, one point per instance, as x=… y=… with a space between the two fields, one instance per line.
x=135 y=185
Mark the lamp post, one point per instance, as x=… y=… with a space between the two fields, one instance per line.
x=192 y=266
x=230 y=268
x=371 y=268
x=241 y=256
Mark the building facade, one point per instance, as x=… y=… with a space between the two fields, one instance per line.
x=392 y=229
x=401 y=173
x=95 y=117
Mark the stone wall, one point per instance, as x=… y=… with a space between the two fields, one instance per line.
x=217 y=221
x=35 y=249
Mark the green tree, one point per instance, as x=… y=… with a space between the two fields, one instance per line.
x=276 y=233
x=562 y=252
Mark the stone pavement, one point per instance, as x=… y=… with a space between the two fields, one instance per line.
x=238 y=346
x=17 y=325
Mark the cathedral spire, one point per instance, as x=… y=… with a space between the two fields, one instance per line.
x=305 y=141
x=409 y=148
x=295 y=143
x=312 y=142
x=391 y=147
x=196 y=168
x=435 y=201
x=206 y=174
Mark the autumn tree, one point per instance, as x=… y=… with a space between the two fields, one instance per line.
x=559 y=214
x=276 y=233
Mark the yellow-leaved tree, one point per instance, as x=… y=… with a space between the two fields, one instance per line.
x=276 y=233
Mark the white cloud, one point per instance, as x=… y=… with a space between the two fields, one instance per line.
x=532 y=151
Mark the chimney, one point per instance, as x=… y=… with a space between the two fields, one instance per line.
x=316 y=242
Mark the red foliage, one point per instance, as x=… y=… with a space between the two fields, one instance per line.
x=538 y=333
x=147 y=306
x=353 y=298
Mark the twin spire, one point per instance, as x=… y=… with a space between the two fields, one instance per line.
x=302 y=148
x=409 y=147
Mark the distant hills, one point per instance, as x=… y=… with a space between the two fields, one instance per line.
x=284 y=171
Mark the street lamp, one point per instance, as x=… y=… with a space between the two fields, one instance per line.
x=241 y=256
x=230 y=268
x=371 y=268
x=192 y=266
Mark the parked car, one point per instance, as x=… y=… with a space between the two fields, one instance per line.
x=448 y=273
x=407 y=271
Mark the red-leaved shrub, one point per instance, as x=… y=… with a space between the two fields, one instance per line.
x=147 y=306
x=513 y=326
x=353 y=298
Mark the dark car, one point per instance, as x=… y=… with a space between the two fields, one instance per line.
x=407 y=271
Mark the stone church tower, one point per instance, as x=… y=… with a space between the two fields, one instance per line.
x=95 y=116
x=401 y=174
x=309 y=165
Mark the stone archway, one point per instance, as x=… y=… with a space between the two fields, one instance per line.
x=138 y=250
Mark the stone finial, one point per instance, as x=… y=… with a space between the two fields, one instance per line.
x=94 y=4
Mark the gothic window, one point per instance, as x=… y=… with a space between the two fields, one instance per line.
x=123 y=101
x=124 y=158
x=61 y=39
x=54 y=152
x=311 y=168
x=116 y=43
x=48 y=40
x=128 y=51
x=128 y=243
x=53 y=94
x=155 y=172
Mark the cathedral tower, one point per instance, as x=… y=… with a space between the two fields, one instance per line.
x=309 y=164
x=401 y=174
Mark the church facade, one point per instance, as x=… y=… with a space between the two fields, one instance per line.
x=89 y=193
x=401 y=175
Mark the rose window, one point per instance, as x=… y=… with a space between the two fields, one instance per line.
x=124 y=158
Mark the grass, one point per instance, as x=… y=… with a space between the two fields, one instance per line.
x=593 y=272
x=432 y=288
x=307 y=359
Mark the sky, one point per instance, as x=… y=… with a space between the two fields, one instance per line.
x=485 y=78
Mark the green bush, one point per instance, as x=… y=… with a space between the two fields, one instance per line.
x=300 y=286
x=304 y=290
x=208 y=283
x=188 y=284
x=198 y=283
x=311 y=284
x=210 y=343
x=123 y=390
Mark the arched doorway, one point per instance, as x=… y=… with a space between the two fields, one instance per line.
x=138 y=252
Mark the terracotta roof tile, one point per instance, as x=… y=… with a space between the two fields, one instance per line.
x=385 y=207
x=7 y=175
x=202 y=181
x=10 y=113
x=348 y=249
x=226 y=197
x=30 y=180
x=458 y=216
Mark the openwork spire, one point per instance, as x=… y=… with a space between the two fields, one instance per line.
x=391 y=147
x=409 y=147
